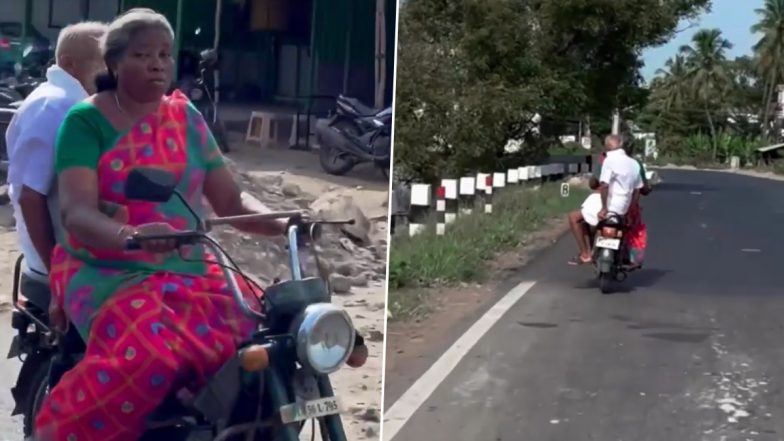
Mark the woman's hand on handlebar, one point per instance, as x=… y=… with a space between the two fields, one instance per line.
x=57 y=318
x=304 y=224
x=155 y=245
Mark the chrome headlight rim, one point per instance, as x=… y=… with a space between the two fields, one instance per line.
x=306 y=323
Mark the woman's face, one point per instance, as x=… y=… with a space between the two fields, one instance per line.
x=145 y=71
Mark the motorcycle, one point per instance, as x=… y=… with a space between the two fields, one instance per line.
x=28 y=74
x=610 y=251
x=277 y=382
x=353 y=135
x=200 y=93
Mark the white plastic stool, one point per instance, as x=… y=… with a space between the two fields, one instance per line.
x=262 y=127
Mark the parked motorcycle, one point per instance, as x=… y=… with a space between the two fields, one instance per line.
x=28 y=74
x=610 y=249
x=201 y=93
x=354 y=134
x=9 y=97
x=277 y=382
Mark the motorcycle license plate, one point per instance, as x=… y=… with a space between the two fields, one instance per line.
x=305 y=410
x=606 y=242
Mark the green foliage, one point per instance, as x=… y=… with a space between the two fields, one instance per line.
x=567 y=148
x=473 y=73
x=698 y=149
x=732 y=101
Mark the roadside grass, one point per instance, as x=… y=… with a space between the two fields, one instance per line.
x=464 y=252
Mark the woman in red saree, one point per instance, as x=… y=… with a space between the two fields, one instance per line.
x=153 y=322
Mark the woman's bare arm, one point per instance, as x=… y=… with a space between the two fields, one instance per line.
x=224 y=195
x=78 y=193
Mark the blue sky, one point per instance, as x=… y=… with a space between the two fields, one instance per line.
x=733 y=17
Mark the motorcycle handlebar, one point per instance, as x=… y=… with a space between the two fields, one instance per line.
x=306 y=231
x=182 y=238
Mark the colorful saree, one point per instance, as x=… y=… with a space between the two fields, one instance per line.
x=637 y=236
x=152 y=324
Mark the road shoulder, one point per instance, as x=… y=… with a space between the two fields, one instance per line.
x=413 y=346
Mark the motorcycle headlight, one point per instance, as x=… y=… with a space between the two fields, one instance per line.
x=196 y=94
x=325 y=338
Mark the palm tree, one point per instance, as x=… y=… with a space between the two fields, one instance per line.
x=671 y=87
x=770 y=51
x=708 y=75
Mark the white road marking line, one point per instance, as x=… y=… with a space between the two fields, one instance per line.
x=404 y=408
x=751 y=250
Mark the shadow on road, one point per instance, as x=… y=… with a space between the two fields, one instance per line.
x=647 y=277
x=644 y=278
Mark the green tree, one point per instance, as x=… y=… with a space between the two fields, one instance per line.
x=471 y=74
x=673 y=89
x=708 y=74
x=770 y=52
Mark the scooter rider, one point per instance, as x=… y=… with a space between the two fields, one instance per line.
x=619 y=184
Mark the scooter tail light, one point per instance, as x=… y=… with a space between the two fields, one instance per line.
x=254 y=358
x=610 y=232
x=5 y=43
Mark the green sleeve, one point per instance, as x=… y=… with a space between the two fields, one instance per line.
x=642 y=173
x=200 y=134
x=597 y=169
x=78 y=140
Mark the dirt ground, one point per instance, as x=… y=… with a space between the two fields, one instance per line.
x=358 y=389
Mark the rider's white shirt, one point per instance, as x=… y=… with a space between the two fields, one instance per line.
x=30 y=141
x=622 y=174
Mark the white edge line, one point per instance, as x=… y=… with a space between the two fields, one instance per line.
x=404 y=408
x=389 y=225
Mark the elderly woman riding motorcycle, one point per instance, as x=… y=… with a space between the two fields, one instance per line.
x=152 y=320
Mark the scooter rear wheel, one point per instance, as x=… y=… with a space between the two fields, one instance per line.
x=605 y=283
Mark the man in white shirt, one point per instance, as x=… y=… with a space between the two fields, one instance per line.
x=31 y=136
x=619 y=184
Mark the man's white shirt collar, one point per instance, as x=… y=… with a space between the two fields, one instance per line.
x=617 y=152
x=58 y=77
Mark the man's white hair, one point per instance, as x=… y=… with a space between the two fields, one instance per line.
x=73 y=37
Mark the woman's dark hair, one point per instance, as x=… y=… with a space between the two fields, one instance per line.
x=105 y=81
x=119 y=35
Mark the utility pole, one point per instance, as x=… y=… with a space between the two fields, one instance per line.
x=616 y=122
x=381 y=53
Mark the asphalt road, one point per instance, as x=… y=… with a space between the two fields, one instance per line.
x=693 y=349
